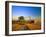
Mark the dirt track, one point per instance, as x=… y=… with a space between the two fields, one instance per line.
x=29 y=26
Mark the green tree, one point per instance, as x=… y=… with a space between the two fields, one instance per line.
x=21 y=19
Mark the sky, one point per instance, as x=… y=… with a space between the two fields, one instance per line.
x=26 y=11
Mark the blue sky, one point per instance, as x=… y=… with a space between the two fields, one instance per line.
x=26 y=11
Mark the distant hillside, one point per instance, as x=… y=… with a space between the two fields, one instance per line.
x=16 y=18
